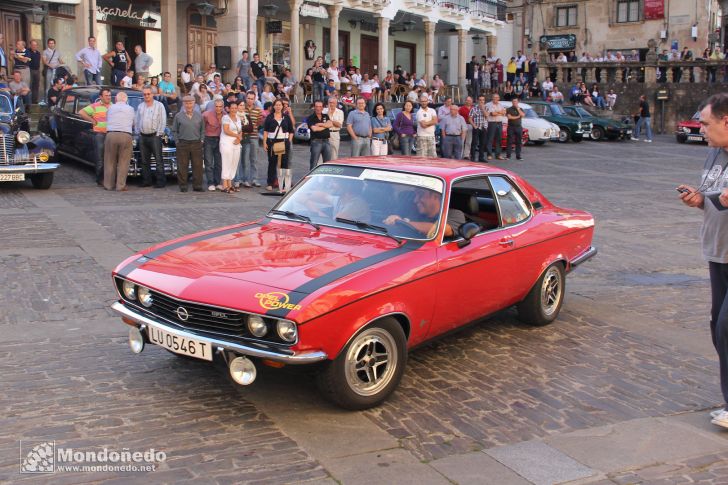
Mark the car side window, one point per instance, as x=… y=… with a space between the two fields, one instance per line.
x=82 y=103
x=512 y=205
x=546 y=111
x=474 y=198
x=68 y=103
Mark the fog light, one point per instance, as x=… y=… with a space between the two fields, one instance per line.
x=287 y=330
x=257 y=326
x=136 y=340
x=145 y=296
x=242 y=370
x=130 y=291
x=43 y=157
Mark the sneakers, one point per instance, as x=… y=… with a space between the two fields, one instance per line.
x=721 y=419
x=219 y=187
x=247 y=185
x=211 y=188
x=648 y=141
x=635 y=139
x=256 y=184
x=715 y=412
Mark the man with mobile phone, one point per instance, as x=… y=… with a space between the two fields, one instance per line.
x=714 y=232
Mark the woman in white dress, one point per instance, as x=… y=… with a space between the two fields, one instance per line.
x=233 y=126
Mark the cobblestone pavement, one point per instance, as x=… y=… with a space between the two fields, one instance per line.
x=631 y=344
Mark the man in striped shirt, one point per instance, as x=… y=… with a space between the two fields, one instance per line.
x=247 y=170
x=480 y=129
x=150 y=122
x=96 y=114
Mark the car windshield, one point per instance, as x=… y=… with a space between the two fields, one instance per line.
x=366 y=199
x=696 y=116
x=531 y=113
x=5 y=105
x=133 y=101
x=580 y=111
x=557 y=110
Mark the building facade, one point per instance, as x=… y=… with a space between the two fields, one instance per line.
x=598 y=26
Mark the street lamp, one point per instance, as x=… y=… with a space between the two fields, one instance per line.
x=269 y=10
x=205 y=8
x=37 y=14
x=476 y=39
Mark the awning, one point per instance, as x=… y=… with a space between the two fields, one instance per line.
x=65 y=2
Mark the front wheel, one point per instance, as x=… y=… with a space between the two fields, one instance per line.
x=368 y=369
x=543 y=303
x=42 y=181
x=564 y=135
x=681 y=138
x=598 y=133
x=576 y=138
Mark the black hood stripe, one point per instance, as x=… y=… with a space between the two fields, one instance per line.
x=171 y=247
x=304 y=290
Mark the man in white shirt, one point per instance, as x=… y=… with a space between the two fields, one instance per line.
x=337 y=119
x=496 y=115
x=90 y=57
x=546 y=87
x=520 y=59
x=149 y=122
x=557 y=96
x=426 y=119
x=142 y=62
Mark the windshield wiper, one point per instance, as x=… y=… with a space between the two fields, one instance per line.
x=366 y=225
x=299 y=217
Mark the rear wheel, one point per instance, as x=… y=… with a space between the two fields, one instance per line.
x=543 y=303
x=42 y=181
x=597 y=133
x=369 y=368
x=564 y=135
x=681 y=138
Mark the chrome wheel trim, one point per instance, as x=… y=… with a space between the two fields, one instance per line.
x=551 y=290
x=371 y=361
x=563 y=136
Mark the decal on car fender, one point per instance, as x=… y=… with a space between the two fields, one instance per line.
x=275 y=300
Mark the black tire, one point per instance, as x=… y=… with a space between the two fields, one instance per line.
x=598 y=133
x=681 y=138
x=346 y=381
x=576 y=138
x=538 y=142
x=42 y=181
x=564 y=135
x=543 y=303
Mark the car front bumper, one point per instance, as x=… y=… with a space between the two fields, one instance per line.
x=29 y=168
x=132 y=317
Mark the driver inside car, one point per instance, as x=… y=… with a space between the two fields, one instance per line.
x=339 y=198
x=427 y=203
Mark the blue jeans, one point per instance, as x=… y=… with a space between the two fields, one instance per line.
x=99 y=140
x=360 y=147
x=646 y=122
x=719 y=319
x=247 y=170
x=406 y=144
x=116 y=76
x=600 y=102
x=260 y=82
x=495 y=134
x=213 y=160
x=92 y=78
x=319 y=148
x=318 y=90
x=247 y=82
x=452 y=146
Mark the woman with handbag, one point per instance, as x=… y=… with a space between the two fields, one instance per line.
x=277 y=136
x=233 y=125
x=404 y=127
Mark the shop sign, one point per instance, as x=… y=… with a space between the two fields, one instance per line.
x=654 y=9
x=311 y=10
x=128 y=13
x=558 y=42
x=274 y=27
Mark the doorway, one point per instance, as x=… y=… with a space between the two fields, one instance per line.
x=130 y=37
x=405 y=55
x=343 y=44
x=369 y=55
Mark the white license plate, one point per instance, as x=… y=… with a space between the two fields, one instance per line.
x=695 y=138
x=179 y=344
x=629 y=132
x=12 y=177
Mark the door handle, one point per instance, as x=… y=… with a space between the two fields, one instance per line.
x=506 y=242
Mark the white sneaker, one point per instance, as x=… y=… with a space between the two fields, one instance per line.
x=219 y=187
x=648 y=141
x=635 y=139
x=715 y=412
x=211 y=188
x=247 y=185
x=721 y=419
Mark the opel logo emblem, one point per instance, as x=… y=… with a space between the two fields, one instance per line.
x=182 y=313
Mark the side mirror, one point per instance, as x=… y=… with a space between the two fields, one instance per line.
x=467 y=231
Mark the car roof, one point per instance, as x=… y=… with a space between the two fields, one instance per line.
x=440 y=167
x=94 y=90
x=521 y=104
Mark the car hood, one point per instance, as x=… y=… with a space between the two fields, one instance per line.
x=537 y=124
x=690 y=124
x=272 y=253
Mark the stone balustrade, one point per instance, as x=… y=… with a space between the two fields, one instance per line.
x=649 y=73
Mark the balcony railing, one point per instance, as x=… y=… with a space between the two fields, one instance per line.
x=697 y=71
x=488 y=8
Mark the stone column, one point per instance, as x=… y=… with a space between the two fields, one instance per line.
x=492 y=43
x=295 y=39
x=383 y=47
x=334 y=12
x=462 y=82
x=169 y=36
x=88 y=21
x=429 y=49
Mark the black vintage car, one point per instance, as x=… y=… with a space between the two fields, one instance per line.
x=23 y=156
x=74 y=135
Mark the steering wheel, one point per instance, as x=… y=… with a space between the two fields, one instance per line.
x=409 y=226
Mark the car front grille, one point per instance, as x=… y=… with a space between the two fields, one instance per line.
x=7 y=149
x=200 y=317
x=169 y=157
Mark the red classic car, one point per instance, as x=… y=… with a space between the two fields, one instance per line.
x=364 y=259
x=689 y=130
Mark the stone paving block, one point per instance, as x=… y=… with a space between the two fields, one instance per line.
x=477 y=469
x=631 y=443
x=385 y=466
x=539 y=463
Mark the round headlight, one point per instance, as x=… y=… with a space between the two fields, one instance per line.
x=130 y=291
x=145 y=296
x=287 y=330
x=23 y=137
x=685 y=129
x=257 y=326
